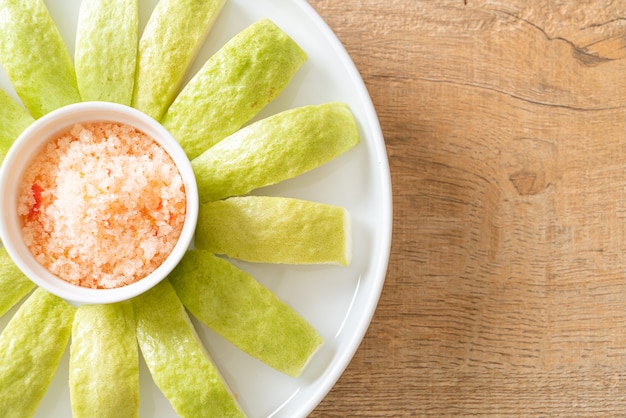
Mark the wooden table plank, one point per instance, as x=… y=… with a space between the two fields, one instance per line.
x=504 y=124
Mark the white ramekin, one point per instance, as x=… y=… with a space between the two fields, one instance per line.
x=29 y=144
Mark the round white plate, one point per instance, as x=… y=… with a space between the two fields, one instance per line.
x=338 y=301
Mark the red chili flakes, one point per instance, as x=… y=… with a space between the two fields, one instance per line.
x=34 y=209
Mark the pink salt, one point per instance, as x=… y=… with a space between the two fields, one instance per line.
x=102 y=205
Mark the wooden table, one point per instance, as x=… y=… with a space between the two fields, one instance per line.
x=505 y=126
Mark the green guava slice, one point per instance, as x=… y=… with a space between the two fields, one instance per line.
x=35 y=57
x=13 y=284
x=233 y=304
x=274 y=149
x=106 y=50
x=246 y=74
x=104 y=365
x=168 y=45
x=180 y=366
x=31 y=347
x=13 y=120
x=275 y=230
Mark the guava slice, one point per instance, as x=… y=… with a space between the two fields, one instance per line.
x=106 y=50
x=246 y=74
x=179 y=364
x=274 y=149
x=13 y=120
x=275 y=230
x=13 y=284
x=35 y=57
x=104 y=365
x=233 y=304
x=31 y=347
x=168 y=45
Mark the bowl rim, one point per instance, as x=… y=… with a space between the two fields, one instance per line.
x=27 y=146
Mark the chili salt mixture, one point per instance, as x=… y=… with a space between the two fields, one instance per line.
x=102 y=205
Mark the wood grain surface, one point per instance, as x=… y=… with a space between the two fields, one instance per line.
x=505 y=126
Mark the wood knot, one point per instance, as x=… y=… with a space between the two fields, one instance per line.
x=528 y=183
x=530 y=163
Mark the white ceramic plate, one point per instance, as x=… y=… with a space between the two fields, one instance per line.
x=338 y=301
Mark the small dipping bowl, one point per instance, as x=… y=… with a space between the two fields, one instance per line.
x=31 y=142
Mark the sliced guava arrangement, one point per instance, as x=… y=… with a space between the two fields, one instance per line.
x=35 y=57
x=179 y=364
x=106 y=50
x=169 y=43
x=275 y=230
x=13 y=120
x=31 y=347
x=104 y=367
x=208 y=117
x=13 y=284
x=274 y=149
x=233 y=304
x=261 y=60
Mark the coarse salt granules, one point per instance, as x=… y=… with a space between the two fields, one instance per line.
x=102 y=205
